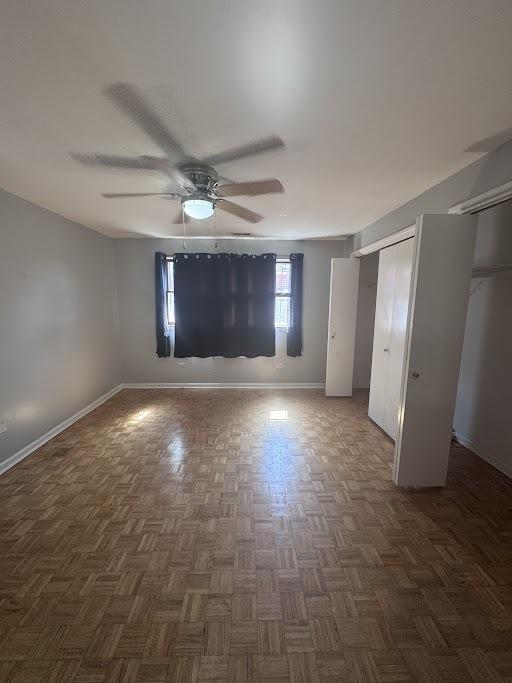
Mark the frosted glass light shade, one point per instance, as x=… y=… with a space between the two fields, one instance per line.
x=198 y=208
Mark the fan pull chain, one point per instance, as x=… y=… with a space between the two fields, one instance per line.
x=183 y=221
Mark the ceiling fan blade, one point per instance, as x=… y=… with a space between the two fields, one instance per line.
x=113 y=161
x=253 y=148
x=256 y=187
x=141 y=163
x=129 y=100
x=240 y=211
x=126 y=195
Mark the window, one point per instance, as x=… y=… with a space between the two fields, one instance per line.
x=283 y=293
x=170 y=293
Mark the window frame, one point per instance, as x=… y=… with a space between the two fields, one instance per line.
x=169 y=291
x=284 y=295
x=277 y=295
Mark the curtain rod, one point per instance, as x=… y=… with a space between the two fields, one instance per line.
x=284 y=256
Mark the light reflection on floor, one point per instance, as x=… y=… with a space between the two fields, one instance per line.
x=279 y=457
x=177 y=449
x=140 y=415
x=278 y=415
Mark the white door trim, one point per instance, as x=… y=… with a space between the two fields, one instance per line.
x=388 y=241
x=484 y=200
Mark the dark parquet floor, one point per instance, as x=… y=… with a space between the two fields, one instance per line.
x=192 y=535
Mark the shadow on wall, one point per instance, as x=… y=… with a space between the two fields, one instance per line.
x=484 y=394
x=493 y=169
x=491 y=143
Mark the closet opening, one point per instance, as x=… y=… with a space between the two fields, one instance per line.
x=365 y=322
x=484 y=393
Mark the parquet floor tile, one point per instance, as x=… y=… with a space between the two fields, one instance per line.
x=196 y=535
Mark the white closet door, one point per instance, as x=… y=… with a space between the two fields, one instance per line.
x=342 y=326
x=403 y=259
x=382 y=335
x=441 y=278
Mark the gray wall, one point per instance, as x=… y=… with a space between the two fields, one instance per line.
x=58 y=320
x=368 y=272
x=484 y=399
x=135 y=279
x=485 y=385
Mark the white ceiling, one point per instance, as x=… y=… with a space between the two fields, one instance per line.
x=376 y=100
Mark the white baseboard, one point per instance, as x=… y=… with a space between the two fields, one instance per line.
x=496 y=462
x=27 y=450
x=223 y=385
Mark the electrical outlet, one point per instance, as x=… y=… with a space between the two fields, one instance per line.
x=3 y=427
x=279 y=366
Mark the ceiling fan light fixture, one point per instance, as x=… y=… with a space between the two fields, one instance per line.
x=198 y=207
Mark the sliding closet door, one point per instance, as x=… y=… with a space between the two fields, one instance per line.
x=403 y=260
x=342 y=326
x=441 y=278
x=382 y=335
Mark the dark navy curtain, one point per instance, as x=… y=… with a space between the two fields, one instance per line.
x=224 y=305
x=294 y=337
x=163 y=342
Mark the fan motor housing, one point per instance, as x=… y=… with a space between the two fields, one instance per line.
x=204 y=177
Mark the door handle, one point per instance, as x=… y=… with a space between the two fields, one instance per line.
x=415 y=374
x=386 y=350
x=333 y=335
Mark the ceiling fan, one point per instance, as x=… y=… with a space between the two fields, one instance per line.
x=196 y=180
